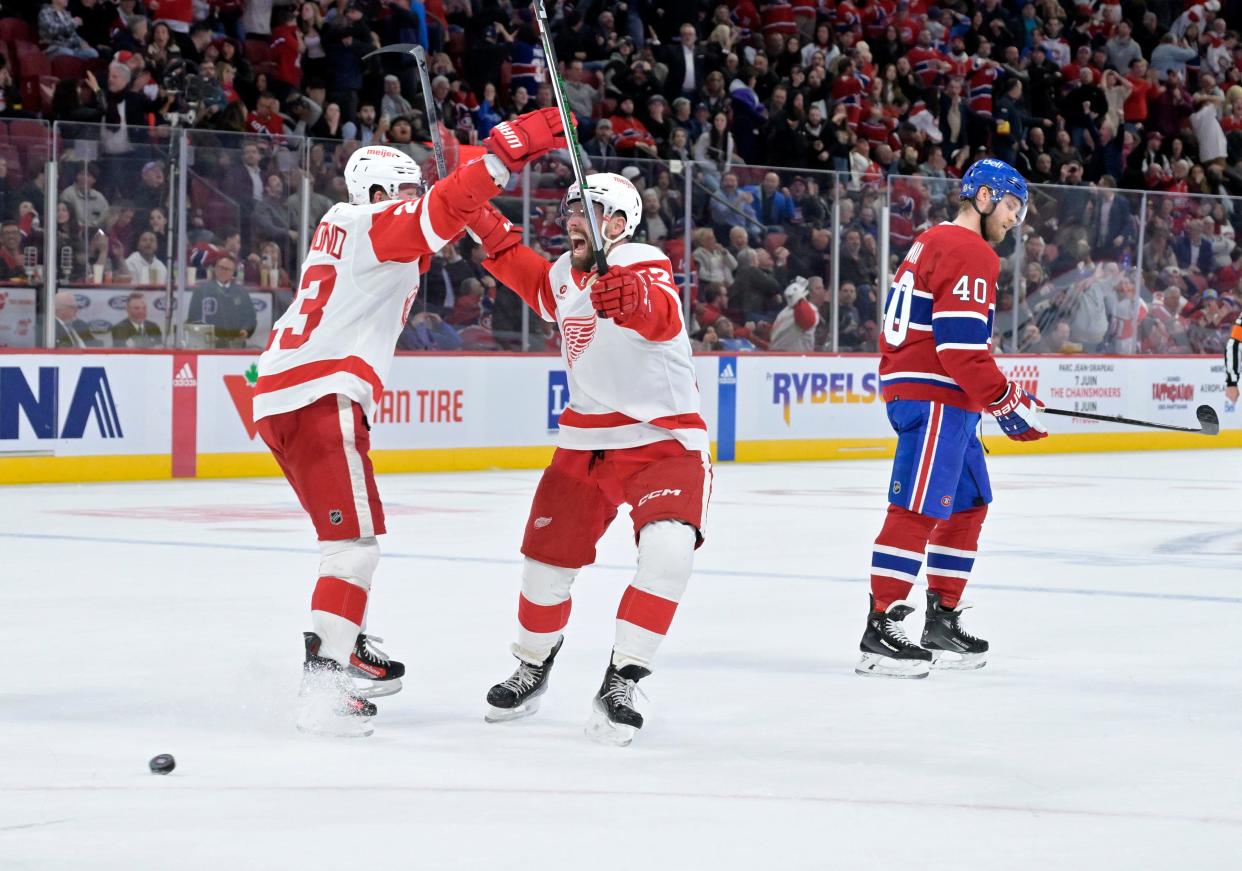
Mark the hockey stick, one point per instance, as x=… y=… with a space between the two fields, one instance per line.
x=433 y=117
x=1209 y=423
x=571 y=134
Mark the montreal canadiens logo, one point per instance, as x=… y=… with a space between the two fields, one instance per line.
x=577 y=334
x=946 y=501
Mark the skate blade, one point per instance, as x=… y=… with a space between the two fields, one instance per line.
x=602 y=730
x=946 y=660
x=503 y=715
x=377 y=689
x=874 y=665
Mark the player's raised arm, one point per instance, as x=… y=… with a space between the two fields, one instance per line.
x=408 y=230
x=512 y=263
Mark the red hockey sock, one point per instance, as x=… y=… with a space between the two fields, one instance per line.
x=898 y=555
x=951 y=554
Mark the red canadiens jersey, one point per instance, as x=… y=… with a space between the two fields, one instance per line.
x=629 y=385
x=937 y=338
x=358 y=283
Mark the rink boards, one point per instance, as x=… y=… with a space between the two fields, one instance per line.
x=133 y=415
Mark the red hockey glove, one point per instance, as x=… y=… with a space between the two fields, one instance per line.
x=616 y=293
x=522 y=140
x=1017 y=412
x=492 y=229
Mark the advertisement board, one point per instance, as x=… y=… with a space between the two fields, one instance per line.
x=109 y=416
x=17 y=317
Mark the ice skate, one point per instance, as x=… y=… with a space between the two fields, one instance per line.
x=614 y=719
x=518 y=696
x=951 y=646
x=886 y=650
x=327 y=703
x=375 y=675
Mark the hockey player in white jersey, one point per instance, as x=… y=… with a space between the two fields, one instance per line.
x=631 y=433
x=323 y=372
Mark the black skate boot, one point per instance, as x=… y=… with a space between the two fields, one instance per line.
x=328 y=704
x=519 y=695
x=380 y=675
x=886 y=651
x=951 y=646
x=614 y=719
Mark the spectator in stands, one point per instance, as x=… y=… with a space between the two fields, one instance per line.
x=427 y=331
x=136 y=331
x=1113 y=223
x=244 y=182
x=755 y=290
x=263 y=267
x=58 y=31
x=87 y=204
x=794 y=327
x=858 y=263
x=1193 y=249
x=12 y=259
x=769 y=203
x=601 y=153
x=394 y=105
x=71 y=331
x=224 y=303
x=143 y=266
x=714 y=262
x=271 y=216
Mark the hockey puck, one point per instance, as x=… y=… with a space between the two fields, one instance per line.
x=162 y=764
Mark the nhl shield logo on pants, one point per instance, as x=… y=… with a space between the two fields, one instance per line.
x=335 y=516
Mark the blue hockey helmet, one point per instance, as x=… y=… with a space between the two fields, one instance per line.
x=1000 y=177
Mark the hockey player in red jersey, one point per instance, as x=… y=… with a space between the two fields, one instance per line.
x=630 y=434
x=937 y=374
x=324 y=369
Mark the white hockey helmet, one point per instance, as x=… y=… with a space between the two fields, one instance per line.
x=615 y=193
x=379 y=165
x=798 y=290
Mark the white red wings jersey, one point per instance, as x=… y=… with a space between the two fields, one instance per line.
x=937 y=338
x=628 y=385
x=358 y=282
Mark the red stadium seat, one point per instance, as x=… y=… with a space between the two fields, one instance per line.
x=68 y=67
x=29 y=129
x=15 y=30
x=31 y=61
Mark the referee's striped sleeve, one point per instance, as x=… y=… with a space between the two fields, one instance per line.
x=1232 y=348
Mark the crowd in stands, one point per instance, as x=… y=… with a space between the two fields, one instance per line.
x=798 y=123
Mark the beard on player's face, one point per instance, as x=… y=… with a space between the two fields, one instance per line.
x=581 y=251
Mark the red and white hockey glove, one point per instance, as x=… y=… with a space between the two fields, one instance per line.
x=492 y=230
x=1017 y=412
x=616 y=293
x=522 y=140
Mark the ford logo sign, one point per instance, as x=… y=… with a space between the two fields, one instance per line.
x=82 y=300
x=259 y=304
x=101 y=326
x=118 y=302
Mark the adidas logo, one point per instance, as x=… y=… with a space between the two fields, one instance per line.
x=185 y=377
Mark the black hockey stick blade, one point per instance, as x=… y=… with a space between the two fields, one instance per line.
x=395 y=48
x=1209 y=424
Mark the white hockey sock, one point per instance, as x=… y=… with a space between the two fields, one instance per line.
x=339 y=604
x=665 y=560
x=543 y=609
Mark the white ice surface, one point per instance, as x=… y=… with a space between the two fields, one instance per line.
x=1105 y=733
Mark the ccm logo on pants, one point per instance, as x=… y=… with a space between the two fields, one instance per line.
x=656 y=494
